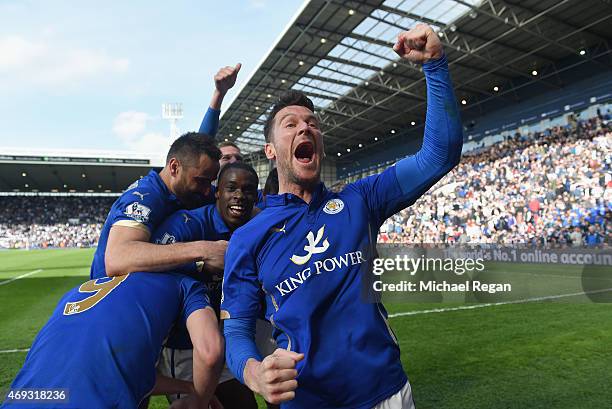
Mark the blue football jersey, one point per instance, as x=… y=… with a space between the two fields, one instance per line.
x=144 y=205
x=204 y=223
x=308 y=261
x=104 y=337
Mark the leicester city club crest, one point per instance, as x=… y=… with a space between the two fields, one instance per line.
x=333 y=206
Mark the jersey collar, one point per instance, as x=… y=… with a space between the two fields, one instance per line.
x=286 y=199
x=217 y=220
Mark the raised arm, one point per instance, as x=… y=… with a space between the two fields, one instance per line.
x=224 y=80
x=443 y=138
x=401 y=185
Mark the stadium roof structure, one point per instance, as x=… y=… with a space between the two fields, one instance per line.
x=339 y=53
x=74 y=172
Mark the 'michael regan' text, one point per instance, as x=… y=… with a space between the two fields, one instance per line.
x=443 y=286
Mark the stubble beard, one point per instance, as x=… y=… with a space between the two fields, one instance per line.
x=188 y=199
x=286 y=167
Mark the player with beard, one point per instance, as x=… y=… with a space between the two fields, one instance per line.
x=185 y=182
x=306 y=253
x=191 y=166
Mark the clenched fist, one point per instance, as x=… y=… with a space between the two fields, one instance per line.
x=274 y=377
x=419 y=45
x=226 y=78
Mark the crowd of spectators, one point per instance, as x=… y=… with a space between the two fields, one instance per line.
x=552 y=187
x=51 y=221
x=546 y=188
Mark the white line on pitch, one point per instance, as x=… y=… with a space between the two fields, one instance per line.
x=473 y=307
x=403 y=314
x=20 y=277
x=10 y=351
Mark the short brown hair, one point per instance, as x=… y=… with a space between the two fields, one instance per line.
x=287 y=99
x=227 y=143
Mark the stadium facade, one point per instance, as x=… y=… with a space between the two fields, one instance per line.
x=47 y=172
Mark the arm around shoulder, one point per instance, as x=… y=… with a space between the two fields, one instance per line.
x=128 y=250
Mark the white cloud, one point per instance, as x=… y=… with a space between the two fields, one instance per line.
x=16 y=53
x=151 y=142
x=26 y=62
x=130 y=124
x=131 y=128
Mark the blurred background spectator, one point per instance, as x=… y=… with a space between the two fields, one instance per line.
x=48 y=221
x=553 y=187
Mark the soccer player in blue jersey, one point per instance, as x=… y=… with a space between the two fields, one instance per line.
x=103 y=339
x=307 y=251
x=236 y=197
x=230 y=153
x=184 y=182
x=191 y=166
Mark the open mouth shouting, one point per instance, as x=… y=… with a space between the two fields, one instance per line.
x=304 y=152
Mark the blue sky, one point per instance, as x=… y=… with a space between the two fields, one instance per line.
x=93 y=75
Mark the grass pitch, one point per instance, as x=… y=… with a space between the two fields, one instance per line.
x=531 y=355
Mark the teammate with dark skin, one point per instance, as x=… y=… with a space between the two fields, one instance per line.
x=236 y=196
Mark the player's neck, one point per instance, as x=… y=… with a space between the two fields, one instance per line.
x=165 y=177
x=303 y=192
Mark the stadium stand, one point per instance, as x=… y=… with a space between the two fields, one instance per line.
x=540 y=69
x=47 y=221
x=60 y=198
x=551 y=187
